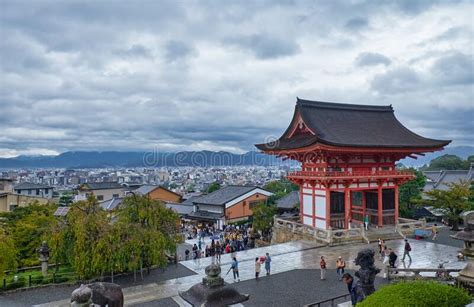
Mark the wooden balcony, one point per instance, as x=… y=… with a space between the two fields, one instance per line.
x=335 y=175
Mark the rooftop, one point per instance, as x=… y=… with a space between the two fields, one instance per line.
x=224 y=195
x=101 y=185
x=347 y=125
x=31 y=186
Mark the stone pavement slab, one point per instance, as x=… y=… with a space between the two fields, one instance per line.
x=286 y=257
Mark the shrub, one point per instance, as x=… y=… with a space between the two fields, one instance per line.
x=418 y=293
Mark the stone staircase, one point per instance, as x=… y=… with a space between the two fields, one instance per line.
x=386 y=233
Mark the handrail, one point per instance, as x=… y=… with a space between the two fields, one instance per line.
x=402 y=173
x=444 y=274
x=318 y=304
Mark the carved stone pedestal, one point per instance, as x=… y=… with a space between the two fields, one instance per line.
x=212 y=292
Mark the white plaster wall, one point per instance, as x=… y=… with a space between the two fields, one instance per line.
x=307 y=204
x=321 y=206
x=320 y=224
x=307 y=221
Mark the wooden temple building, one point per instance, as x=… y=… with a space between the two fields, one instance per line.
x=348 y=154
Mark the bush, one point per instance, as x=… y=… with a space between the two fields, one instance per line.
x=418 y=293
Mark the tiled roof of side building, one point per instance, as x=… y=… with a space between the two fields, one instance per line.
x=289 y=200
x=102 y=185
x=29 y=186
x=224 y=195
x=349 y=125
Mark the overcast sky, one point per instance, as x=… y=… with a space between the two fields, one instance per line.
x=223 y=75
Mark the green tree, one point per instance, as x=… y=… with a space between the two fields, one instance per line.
x=280 y=188
x=447 y=162
x=410 y=193
x=453 y=201
x=213 y=187
x=29 y=226
x=263 y=218
x=66 y=199
x=7 y=252
x=148 y=230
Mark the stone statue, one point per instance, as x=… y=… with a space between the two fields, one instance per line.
x=212 y=292
x=366 y=273
x=43 y=253
x=98 y=293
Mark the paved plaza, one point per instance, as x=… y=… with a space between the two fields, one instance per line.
x=298 y=261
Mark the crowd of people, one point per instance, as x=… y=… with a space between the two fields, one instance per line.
x=228 y=241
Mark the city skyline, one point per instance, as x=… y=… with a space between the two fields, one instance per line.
x=203 y=76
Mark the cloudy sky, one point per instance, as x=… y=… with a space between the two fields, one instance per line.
x=189 y=75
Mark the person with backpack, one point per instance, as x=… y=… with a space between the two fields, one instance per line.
x=340 y=265
x=322 y=264
x=257 y=267
x=268 y=260
x=407 y=250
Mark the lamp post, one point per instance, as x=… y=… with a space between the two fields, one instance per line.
x=466 y=275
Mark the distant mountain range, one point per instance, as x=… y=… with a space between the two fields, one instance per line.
x=97 y=159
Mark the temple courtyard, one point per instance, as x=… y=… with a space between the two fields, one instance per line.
x=294 y=280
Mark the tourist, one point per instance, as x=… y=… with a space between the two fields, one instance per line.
x=268 y=260
x=383 y=255
x=380 y=245
x=195 y=251
x=258 y=264
x=366 y=222
x=218 y=251
x=392 y=258
x=340 y=265
x=200 y=244
x=406 y=250
x=235 y=269
x=349 y=281
x=461 y=257
x=434 y=230
x=322 y=264
x=186 y=254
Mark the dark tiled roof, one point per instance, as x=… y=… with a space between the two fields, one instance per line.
x=180 y=208
x=289 y=201
x=224 y=195
x=350 y=125
x=145 y=189
x=102 y=185
x=29 y=186
x=204 y=215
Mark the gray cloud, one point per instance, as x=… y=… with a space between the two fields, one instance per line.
x=371 y=59
x=264 y=46
x=87 y=75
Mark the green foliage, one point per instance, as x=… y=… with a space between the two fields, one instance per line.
x=263 y=217
x=454 y=200
x=213 y=187
x=66 y=199
x=449 y=162
x=410 y=193
x=28 y=227
x=280 y=188
x=418 y=293
x=96 y=242
x=7 y=252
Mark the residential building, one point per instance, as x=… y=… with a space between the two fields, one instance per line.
x=101 y=190
x=33 y=189
x=157 y=192
x=9 y=201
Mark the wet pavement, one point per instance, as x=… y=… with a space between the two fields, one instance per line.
x=285 y=257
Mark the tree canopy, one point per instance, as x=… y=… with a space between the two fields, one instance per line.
x=453 y=201
x=449 y=162
x=263 y=217
x=213 y=187
x=8 y=252
x=410 y=193
x=280 y=188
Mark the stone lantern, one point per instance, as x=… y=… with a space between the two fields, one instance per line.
x=466 y=275
x=212 y=291
x=43 y=253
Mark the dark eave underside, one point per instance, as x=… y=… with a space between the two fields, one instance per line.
x=346 y=125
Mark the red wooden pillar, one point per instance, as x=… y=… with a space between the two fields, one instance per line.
x=396 y=202
x=301 y=202
x=328 y=205
x=379 y=205
x=347 y=206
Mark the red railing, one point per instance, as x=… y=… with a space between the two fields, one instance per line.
x=355 y=174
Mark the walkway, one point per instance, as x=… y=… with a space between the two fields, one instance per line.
x=285 y=257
